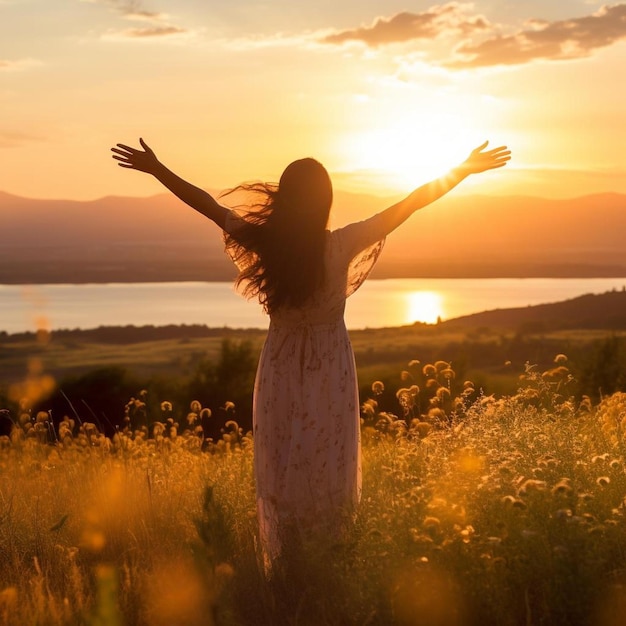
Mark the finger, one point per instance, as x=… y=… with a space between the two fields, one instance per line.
x=481 y=147
x=144 y=145
x=123 y=152
x=126 y=165
x=120 y=158
x=495 y=151
x=127 y=148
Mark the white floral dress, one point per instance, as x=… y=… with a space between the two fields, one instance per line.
x=306 y=406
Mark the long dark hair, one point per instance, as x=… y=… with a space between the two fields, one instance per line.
x=279 y=244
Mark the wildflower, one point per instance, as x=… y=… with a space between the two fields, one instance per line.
x=406 y=376
x=431 y=524
x=560 y=358
x=466 y=534
x=448 y=373
x=229 y=406
x=441 y=365
x=413 y=363
x=437 y=414
x=378 y=387
x=205 y=414
x=403 y=395
x=369 y=407
x=429 y=370
x=563 y=487
x=423 y=428
x=603 y=481
x=531 y=485
x=556 y=374
x=195 y=406
x=443 y=393
x=166 y=407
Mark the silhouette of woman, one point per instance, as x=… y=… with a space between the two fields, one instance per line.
x=306 y=408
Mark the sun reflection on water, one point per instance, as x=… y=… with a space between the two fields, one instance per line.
x=424 y=306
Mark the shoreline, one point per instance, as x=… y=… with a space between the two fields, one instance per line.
x=430 y=276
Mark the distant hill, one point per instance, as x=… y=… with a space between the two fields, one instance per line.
x=605 y=311
x=159 y=238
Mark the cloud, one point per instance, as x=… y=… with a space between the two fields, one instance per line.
x=12 y=139
x=560 y=40
x=152 y=31
x=447 y=18
x=130 y=9
x=20 y=64
x=159 y=25
x=480 y=43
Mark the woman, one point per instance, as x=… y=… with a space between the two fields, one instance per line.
x=306 y=408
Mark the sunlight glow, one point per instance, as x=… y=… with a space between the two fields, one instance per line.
x=413 y=150
x=424 y=306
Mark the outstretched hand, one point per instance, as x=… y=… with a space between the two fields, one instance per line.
x=481 y=160
x=132 y=158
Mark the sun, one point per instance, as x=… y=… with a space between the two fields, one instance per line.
x=403 y=144
x=424 y=306
x=412 y=151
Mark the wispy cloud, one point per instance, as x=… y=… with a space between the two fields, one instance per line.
x=18 y=65
x=135 y=10
x=130 y=9
x=152 y=31
x=559 y=40
x=450 y=18
x=480 y=43
x=13 y=139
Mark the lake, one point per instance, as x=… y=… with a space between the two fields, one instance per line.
x=379 y=303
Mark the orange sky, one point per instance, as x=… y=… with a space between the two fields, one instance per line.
x=386 y=94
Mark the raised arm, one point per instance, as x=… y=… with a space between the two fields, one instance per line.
x=479 y=160
x=146 y=161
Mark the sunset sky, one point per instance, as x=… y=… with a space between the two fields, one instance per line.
x=386 y=94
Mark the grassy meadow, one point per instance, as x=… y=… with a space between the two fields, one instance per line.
x=477 y=508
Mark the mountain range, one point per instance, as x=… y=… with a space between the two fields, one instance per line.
x=124 y=239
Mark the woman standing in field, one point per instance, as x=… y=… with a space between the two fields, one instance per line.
x=306 y=407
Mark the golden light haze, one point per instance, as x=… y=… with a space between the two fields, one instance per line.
x=385 y=94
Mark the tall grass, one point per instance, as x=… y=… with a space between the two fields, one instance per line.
x=475 y=510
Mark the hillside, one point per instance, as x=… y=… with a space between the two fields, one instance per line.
x=159 y=239
x=605 y=311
